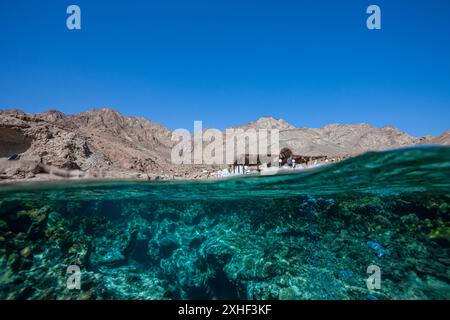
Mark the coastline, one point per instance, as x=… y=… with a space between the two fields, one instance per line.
x=51 y=174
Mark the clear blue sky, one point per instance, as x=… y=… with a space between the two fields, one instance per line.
x=229 y=62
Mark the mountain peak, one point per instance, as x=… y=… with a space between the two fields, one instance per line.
x=103 y=112
x=52 y=115
x=269 y=123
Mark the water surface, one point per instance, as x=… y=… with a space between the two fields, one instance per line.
x=308 y=235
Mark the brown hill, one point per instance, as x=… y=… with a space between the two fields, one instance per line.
x=98 y=143
x=338 y=140
x=267 y=123
x=443 y=139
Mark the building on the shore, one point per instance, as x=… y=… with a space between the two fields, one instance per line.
x=252 y=162
x=286 y=158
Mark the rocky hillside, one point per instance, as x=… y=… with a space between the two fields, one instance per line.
x=338 y=140
x=105 y=143
x=97 y=143
x=443 y=139
x=268 y=123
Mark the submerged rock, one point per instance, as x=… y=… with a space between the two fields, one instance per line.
x=316 y=248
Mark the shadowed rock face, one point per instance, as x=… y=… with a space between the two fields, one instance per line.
x=13 y=142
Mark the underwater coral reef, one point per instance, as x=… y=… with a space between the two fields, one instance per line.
x=302 y=248
x=132 y=243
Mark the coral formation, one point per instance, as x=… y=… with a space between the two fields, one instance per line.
x=311 y=235
x=315 y=248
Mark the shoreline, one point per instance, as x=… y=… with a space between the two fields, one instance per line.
x=52 y=174
x=132 y=177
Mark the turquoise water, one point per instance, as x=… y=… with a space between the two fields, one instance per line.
x=307 y=235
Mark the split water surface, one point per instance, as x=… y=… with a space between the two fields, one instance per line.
x=306 y=235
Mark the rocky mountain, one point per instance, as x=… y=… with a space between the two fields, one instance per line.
x=97 y=143
x=267 y=123
x=443 y=139
x=339 y=140
x=336 y=139
x=105 y=143
x=126 y=140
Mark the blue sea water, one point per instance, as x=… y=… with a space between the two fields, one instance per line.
x=305 y=235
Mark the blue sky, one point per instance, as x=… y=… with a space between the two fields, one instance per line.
x=230 y=62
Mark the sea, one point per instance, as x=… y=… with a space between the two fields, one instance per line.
x=373 y=227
